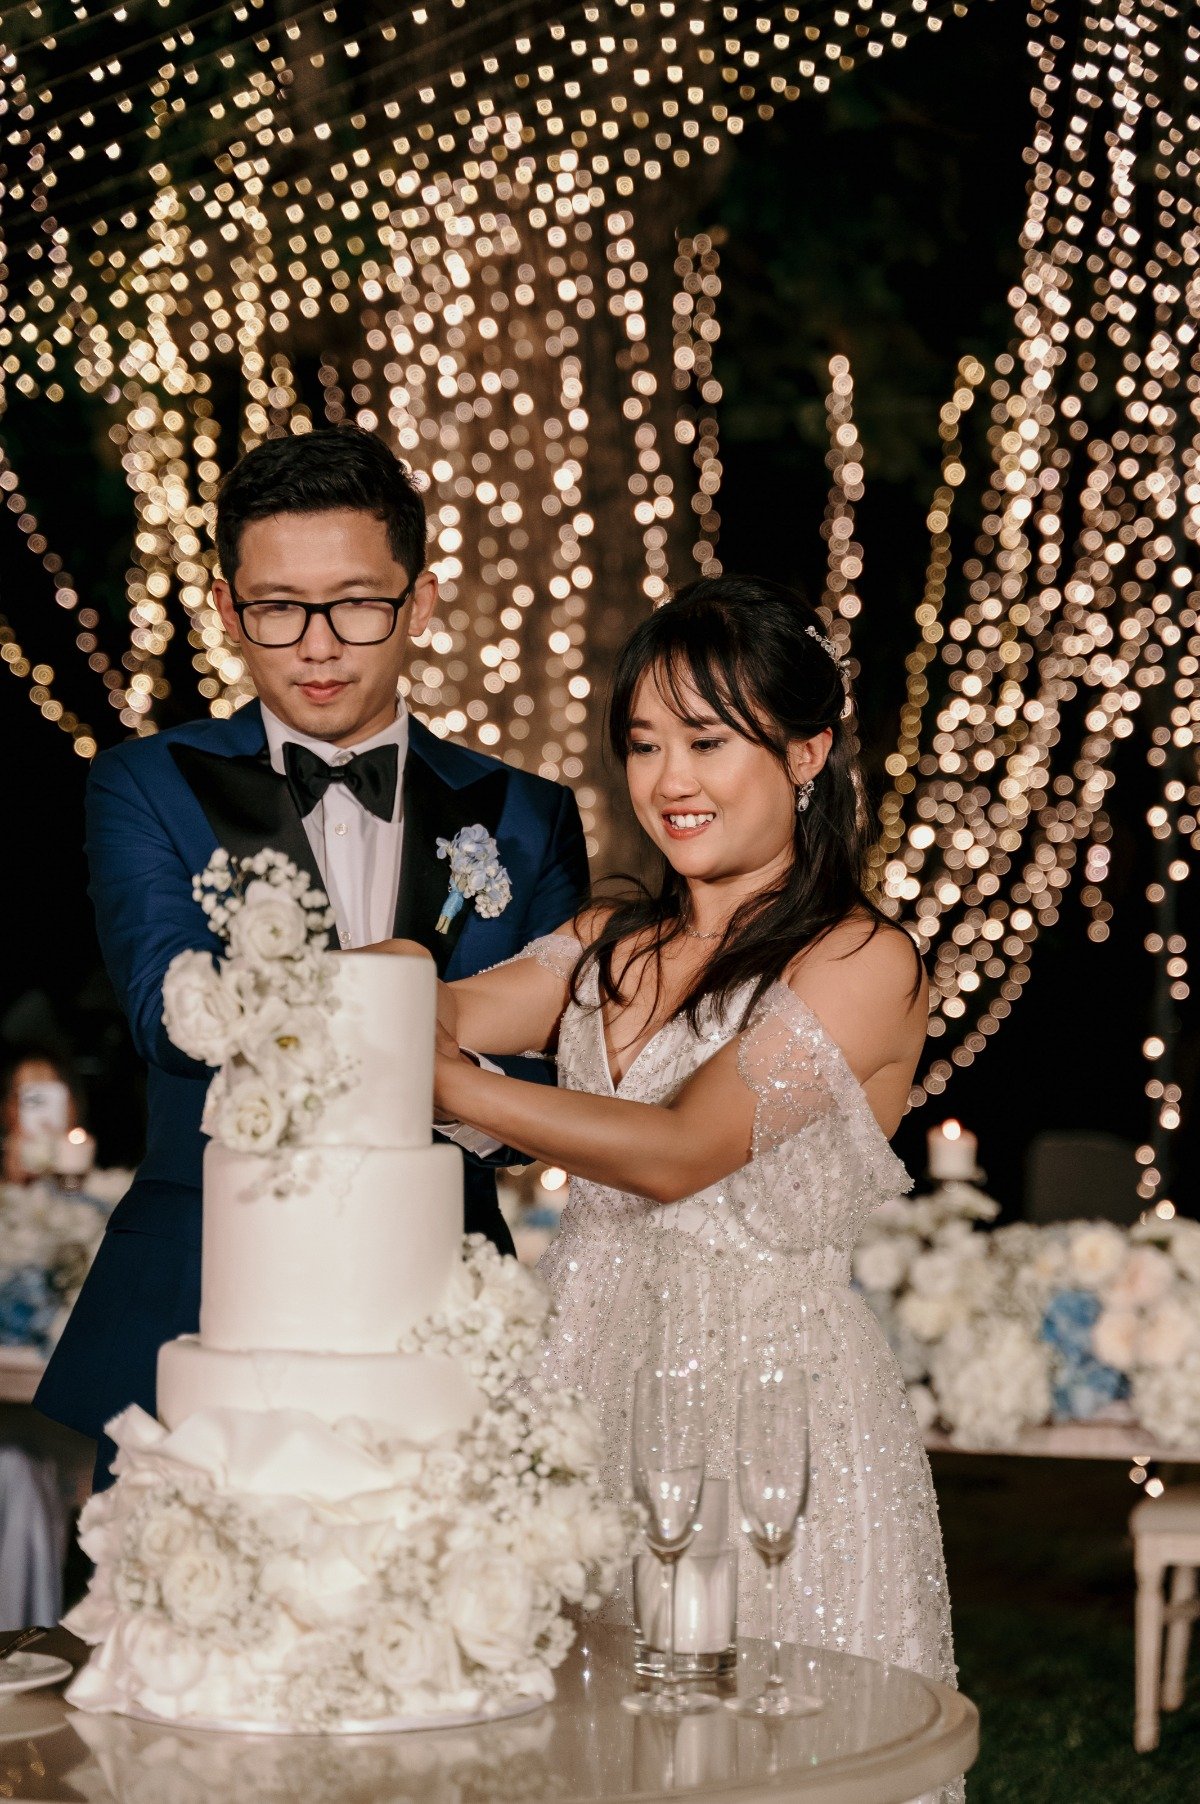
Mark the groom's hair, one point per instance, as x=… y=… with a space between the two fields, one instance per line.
x=313 y=473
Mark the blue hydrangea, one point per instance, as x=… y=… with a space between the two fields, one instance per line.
x=1082 y=1386
x=28 y=1306
x=1068 y=1322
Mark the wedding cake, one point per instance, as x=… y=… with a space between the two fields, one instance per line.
x=345 y=1517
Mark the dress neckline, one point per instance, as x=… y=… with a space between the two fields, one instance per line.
x=778 y=991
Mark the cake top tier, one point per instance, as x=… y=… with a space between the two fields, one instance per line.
x=381 y=1020
x=312 y=1047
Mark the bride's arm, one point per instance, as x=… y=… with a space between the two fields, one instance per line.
x=513 y=1008
x=667 y=1151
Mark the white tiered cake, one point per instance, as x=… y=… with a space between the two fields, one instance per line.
x=345 y=1518
x=350 y=1243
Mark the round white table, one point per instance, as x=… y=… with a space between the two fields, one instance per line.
x=884 y=1737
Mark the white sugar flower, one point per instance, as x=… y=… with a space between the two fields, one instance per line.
x=249 y=1115
x=268 y=926
x=166 y=1531
x=198 y=1587
x=488 y=1602
x=202 y=1014
x=406 y=1652
x=288 y=1044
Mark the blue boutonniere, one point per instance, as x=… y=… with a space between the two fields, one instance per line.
x=476 y=875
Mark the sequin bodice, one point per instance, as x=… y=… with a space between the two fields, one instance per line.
x=821 y=1162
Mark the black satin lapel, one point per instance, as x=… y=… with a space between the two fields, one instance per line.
x=433 y=810
x=248 y=807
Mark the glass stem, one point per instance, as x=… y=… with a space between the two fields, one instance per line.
x=671 y=1686
x=774 y=1676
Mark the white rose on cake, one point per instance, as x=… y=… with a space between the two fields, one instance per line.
x=245 y=1113
x=565 y=1435
x=199 y=1587
x=408 y=1652
x=488 y=1602
x=166 y=1531
x=288 y=1044
x=268 y=926
x=201 y=1012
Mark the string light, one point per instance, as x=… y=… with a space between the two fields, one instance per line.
x=1066 y=647
x=452 y=213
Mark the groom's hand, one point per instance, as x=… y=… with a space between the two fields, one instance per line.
x=401 y=948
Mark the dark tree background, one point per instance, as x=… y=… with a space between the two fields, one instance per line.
x=882 y=222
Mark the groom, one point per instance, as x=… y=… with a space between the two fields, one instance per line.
x=321 y=539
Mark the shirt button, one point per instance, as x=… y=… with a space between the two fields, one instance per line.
x=344 y=936
x=342 y=758
x=339 y=828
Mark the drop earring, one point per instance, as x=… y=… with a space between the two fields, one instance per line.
x=804 y=794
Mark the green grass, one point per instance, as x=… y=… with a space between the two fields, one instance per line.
x=1041 y=1586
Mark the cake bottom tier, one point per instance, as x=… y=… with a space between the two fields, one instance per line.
x=274 y=1573
x=423 y=1398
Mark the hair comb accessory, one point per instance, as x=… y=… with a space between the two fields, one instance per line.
x=831 y=651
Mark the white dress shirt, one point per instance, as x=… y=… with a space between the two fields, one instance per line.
x=358 y=856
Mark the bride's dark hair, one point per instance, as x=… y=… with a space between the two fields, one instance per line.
x=742 y=644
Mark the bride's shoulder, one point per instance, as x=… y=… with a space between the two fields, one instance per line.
x=862 y=960
x=588 y=923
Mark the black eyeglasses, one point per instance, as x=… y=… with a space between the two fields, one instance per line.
x=365 y=620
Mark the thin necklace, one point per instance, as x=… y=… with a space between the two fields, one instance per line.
x=692 y=934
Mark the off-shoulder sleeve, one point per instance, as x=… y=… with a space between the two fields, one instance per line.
x=785 y=1057
x=557 y=953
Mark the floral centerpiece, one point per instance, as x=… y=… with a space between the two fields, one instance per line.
x=48 y=1239
x=261 y=1014
x=1005 y=1329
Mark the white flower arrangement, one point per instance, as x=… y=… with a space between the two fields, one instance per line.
x=438 y=1588
x=476 y=875
x=260 y=1015
x=1000 y=1331
x=48 y=1239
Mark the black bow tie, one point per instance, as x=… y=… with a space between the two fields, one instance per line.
x=371 y=776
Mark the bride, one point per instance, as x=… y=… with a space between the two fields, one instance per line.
x=733 y=1052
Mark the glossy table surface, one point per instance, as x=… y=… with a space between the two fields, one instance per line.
x=883 y=1737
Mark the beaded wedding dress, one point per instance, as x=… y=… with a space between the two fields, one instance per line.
x=762 y=1255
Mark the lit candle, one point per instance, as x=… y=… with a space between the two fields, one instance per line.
x=953 y=1152
x=75 y=1154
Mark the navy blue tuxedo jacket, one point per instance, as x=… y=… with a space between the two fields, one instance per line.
x=157 y=809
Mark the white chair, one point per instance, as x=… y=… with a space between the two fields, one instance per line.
x=1166 y=1534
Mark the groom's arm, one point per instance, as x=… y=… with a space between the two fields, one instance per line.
x=145 y=911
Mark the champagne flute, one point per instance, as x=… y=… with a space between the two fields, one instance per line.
x=668 y=1479
x=773 y=1471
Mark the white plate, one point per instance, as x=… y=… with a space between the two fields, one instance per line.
x=383 y=1725
x=26 y=1672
